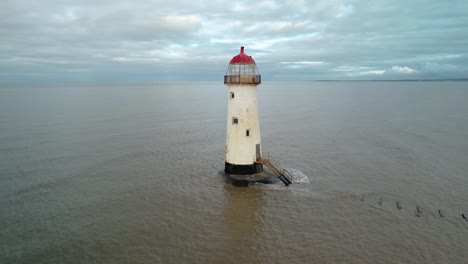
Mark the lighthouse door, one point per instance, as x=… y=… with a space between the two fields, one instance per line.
x=258 y=154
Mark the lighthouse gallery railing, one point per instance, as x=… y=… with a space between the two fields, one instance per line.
x=242 y=79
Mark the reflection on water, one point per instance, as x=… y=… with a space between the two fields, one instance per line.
x=243 y=217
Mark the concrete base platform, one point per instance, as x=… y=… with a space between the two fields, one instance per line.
x=245 y=180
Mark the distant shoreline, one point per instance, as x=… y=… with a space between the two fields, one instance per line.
x=417 y=80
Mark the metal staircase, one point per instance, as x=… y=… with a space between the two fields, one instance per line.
x=275 y=170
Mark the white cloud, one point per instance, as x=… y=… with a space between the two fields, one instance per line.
x=238 y=7
x=404 y=69
x=182 y=22
x=345 y=10
x=366 y=73
x=67 y=16
x=302 y=64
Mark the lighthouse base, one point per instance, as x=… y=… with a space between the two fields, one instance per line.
x=242 y=169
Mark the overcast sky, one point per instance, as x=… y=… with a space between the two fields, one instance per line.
x=143 y=40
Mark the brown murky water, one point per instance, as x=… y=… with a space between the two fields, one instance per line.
x=132 y=174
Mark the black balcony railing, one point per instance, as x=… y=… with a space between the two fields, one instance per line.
x=242 y=79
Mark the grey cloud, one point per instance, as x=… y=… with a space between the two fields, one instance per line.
x=196 y=39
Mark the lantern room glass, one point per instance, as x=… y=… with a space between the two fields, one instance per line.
x=242 y=73
x=242 y=69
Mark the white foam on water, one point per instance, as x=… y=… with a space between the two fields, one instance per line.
x=279 y=186
x=296 y=176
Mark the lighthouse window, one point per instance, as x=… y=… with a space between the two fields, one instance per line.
x=247 y=133
x=232 y=95
x=235 y=120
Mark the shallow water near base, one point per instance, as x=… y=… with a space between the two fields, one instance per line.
x=130 y=173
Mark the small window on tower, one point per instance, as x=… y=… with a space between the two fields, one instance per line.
x=232 y=95
x=247 y=133
x=235 y=120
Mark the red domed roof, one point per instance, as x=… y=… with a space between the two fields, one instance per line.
x=242 y=58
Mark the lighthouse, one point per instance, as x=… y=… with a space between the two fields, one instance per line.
x=243 y=146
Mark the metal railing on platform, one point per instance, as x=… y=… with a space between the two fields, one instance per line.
x=242 y=79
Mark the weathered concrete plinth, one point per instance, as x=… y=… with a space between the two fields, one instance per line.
x=244 y=180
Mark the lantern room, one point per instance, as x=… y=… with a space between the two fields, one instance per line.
x=242 y=70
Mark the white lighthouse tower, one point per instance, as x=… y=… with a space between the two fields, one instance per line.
x=243 y=147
